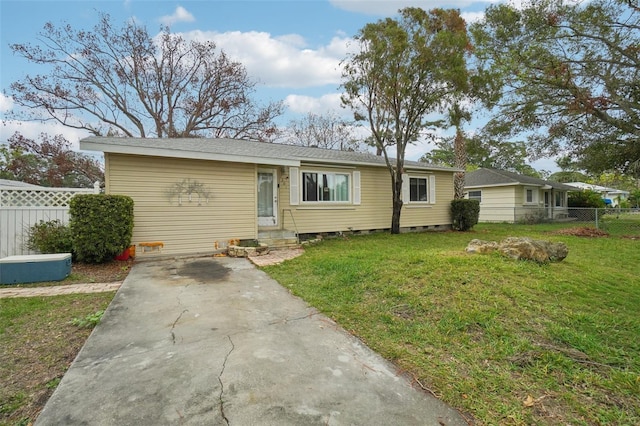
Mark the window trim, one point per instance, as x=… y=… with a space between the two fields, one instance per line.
x=426 y=189
x=350 y=188
x=563 y=199
x=431 y=189
x=534 y=195
x=479 y=198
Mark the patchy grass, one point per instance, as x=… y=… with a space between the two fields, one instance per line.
x=38 y=342
x=505 y=342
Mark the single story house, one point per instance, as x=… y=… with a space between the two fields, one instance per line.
x=611 y=196
x=194 y=195
x=510 y=197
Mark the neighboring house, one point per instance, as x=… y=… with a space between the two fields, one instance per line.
x=611 y=196
x=191 y=194
x=6 y=183
x=511 y=197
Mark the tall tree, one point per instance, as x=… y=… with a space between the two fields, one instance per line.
x=569 y=73
x=50 y=161
x=405 y=69
x=457 y=115
x=124 y=81
x=323 y=131
x=481 y=152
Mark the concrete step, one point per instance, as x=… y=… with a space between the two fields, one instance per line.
x=278 y=238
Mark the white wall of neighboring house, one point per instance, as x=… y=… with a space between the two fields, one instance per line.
x=615 y=195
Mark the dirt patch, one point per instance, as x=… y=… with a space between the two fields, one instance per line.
x=109 y=272
x=583 y=231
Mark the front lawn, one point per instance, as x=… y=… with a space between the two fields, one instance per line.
x=503 y=341
x=38 y=342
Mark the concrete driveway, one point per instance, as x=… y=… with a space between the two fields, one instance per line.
x=215 y=341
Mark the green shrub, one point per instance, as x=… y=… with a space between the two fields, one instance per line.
x=50 y=237
x=101 y=226
x=464 y=214
x=586 y=198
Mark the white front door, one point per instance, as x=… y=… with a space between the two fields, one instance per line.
x=267 y=197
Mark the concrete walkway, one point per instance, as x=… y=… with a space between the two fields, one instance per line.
x=57 y=290
x=215 y=341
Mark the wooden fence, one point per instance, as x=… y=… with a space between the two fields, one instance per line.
x=21 y=208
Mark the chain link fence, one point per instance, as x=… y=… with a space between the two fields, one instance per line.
x=615 y=221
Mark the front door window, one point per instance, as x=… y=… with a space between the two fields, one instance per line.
x=267 y=198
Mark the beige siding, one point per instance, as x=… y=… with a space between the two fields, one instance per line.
x=188 y=228
x=374 y=211
x=417 y=215
x=498 y=203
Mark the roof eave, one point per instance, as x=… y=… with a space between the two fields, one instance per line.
x=174 y=153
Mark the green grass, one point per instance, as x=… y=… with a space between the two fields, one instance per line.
x=503 y=341
x=38 y=342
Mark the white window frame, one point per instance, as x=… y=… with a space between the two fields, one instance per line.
x=534 y=195
x=320 y=173
x=562 y=199
x=479 y=198
x=426 y=189
x=430 y=181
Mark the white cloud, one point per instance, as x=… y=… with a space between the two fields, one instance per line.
x=6 y=103
x=180 y=15
x=471 y=17
x=301 y=104
x=284 y=61
x=391 y=7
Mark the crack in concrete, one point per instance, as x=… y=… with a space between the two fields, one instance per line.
x=173 y=326
x=286 y=319
x=221 y=395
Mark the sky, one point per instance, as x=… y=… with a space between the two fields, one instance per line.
x=292 y=49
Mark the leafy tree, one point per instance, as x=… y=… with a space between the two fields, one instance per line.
x=124 y=81
x=487 y=153
x=405 y=69
x=322 y=131
x=51 y=161
x=569 y=73
x=585 y=198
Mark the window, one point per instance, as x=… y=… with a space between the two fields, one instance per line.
x=530 y=196
x=321 y=187
x=559 y=199
x=475 y=195
x=417 y=190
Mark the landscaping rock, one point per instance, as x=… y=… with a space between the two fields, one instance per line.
x=481 y=246
x=522 y=248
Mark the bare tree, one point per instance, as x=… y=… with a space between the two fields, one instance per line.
x=323 y=131
x=123 y=81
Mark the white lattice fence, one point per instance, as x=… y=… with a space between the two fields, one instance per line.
x=21 y=208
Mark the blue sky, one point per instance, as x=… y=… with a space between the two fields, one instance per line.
x=291 y=48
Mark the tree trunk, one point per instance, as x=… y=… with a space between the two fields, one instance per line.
x=460 y=152
x=397 y=203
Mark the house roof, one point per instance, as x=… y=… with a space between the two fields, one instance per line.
x=237 y=150
x=6 y=183
x=598 y=188
x=493 y=177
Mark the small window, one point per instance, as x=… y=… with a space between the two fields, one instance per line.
x=325 y=187
x=559 y=199
x=475 y=195
x=530 y=196
x=417 y=190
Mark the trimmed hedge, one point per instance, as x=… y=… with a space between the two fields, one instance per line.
x=464 y=214
x=101 y=226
